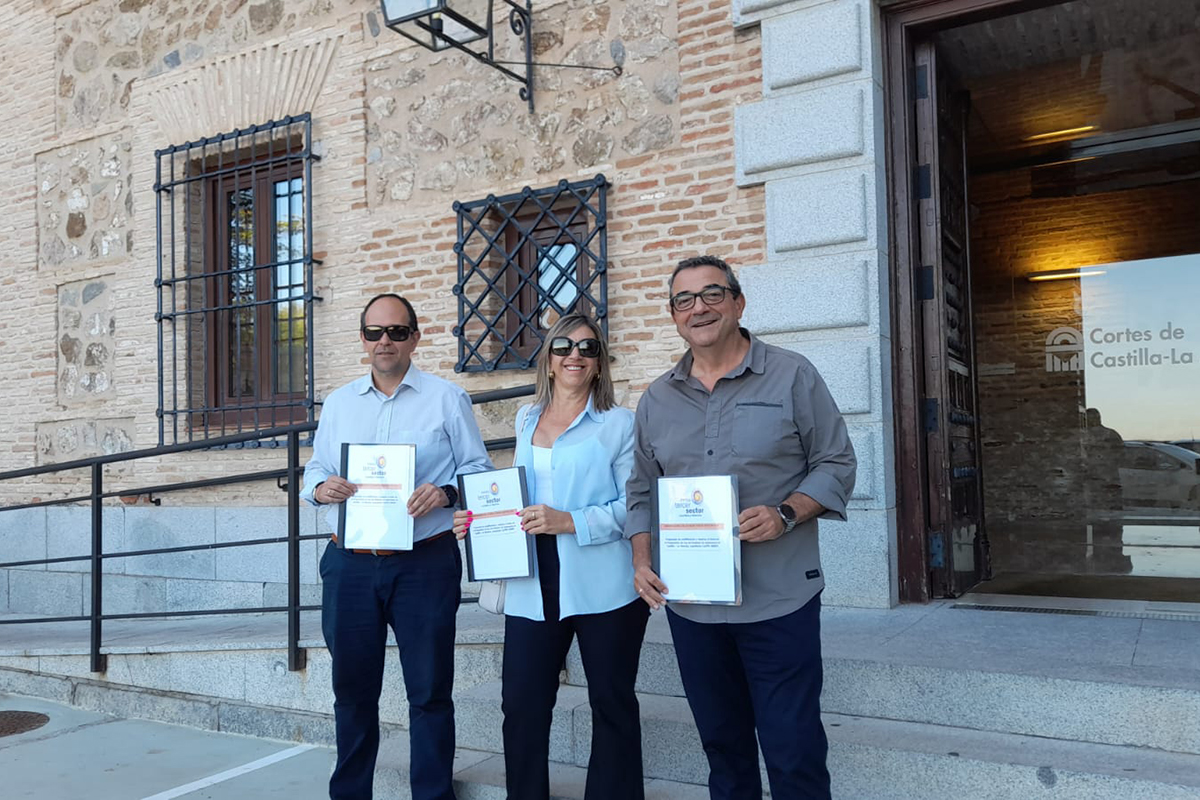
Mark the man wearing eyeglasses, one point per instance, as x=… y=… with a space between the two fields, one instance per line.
x=734 y=405
x=415 y=592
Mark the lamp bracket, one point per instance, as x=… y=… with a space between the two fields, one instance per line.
x=520 y=21
x=615 y=70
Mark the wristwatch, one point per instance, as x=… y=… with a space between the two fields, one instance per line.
x=788 y=514
x=451 y=495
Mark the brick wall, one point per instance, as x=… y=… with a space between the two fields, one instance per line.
x=27 y=299
x=680 y=200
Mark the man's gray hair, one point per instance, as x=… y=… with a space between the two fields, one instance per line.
x=707 y=261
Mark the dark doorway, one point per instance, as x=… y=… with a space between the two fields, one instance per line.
x=1045 y=176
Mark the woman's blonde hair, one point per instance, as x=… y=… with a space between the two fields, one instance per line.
x=603 y=396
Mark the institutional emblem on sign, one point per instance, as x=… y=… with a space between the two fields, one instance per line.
x=697 y=497
x=1064 y=350
x=381 y=462
x=495 y=488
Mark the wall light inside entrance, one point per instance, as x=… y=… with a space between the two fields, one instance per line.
x=1064 y=274
x=1041 y=137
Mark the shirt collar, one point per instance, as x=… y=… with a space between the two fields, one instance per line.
x=535 y=412
x=755 y=360
x=412 y=379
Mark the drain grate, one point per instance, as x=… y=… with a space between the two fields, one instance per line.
x=1085 y=612
x=14 y=722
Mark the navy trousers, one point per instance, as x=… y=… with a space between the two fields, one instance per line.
x=609 y=644
x=417 y=594
x=765 y=675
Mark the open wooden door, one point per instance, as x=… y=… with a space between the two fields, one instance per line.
x=955 y=534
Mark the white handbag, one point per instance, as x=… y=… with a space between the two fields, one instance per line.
x=491 y=596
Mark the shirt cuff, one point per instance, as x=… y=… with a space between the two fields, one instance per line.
x=827 y=491
x=583 y=532
x=636 y=521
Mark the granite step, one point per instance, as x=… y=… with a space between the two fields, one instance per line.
x=1106 y=680
x=217 y=671
x=869 y=758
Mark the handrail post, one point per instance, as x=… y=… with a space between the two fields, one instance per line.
x=297 y=657
x=99 y=660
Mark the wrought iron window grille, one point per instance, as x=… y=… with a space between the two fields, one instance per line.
x=524 y=260
x=234 y=282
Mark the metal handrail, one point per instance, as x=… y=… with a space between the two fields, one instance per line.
x=162 y=450
x=297 y=657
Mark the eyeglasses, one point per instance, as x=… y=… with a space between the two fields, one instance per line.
x=562 y=346
x=397 y=333
x=711 y=295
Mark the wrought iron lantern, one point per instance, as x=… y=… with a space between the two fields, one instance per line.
x=442 y=24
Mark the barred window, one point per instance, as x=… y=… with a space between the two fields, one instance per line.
x=525 y=260
x=235 y=282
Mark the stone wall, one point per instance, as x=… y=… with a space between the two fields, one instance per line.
x=461 y=139
x=86 y=341
x=85 y=202
x=814 y=140
x=662 y=133
x=709 y=149
x=677 y=200
x=104 y=47
x=81 y=438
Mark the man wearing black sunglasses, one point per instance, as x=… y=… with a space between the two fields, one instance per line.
x=735 y=405
x=415 y=592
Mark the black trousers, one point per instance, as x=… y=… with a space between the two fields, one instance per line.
x=757 y=676
x=610 y=644
x=416 y=594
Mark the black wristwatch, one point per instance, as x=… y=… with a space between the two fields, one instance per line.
x=451 y=495
x=788 y=514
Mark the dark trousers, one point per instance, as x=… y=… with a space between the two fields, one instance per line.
x=764 y=675
x=417 y=594
x=610 y=644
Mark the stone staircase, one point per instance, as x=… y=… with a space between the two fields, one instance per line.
x=920 y=701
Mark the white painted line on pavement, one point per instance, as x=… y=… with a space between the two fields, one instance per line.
x=221 y=777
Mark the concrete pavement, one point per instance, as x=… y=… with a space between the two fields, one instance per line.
x=80 y=755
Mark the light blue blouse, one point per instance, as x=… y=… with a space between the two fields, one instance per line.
x=590 y=462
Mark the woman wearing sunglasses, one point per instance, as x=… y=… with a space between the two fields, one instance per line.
x=576 y=446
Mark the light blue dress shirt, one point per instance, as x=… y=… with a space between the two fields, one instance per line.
x=425 y=410
x=590 y=462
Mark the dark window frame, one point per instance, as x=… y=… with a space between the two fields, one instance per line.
x=531 y=251
x=220 y=375
x=197 y=271
x=502 y=245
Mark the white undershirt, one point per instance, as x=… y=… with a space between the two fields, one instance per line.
x=543 y=479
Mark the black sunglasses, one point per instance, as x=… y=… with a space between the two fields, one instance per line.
x=562 y=346
x=711 y=295
x=397 y=333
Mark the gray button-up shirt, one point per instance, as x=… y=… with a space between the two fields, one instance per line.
x=771 y=422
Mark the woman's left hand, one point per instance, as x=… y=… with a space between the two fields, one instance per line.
x=542 y=518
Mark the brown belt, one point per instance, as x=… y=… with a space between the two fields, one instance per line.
x=435 y=537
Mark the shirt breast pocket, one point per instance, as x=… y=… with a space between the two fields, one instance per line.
x=432 y=446
x=757 y=429
x=419 y=438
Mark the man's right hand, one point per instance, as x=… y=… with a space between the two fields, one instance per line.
x=334 y=490
x=649 y=587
